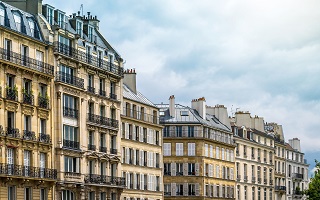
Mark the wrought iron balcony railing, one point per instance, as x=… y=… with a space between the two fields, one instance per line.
x=104 y=179
x=91 y=89
x=70 y=112
x=102 y=93
x=69 y=79
x=113 y=151
x=28 y=98
x=27 y=171
x=26 y=61
x=167 y=173
x=43 y=102
x=97 y=119
x=103 y=149
x=113 y=96
x=297 y=176
x=45 y=138
x=91 y=147
x=29 y=135
x=13 y=132
x=71 y=144
x=87 y=58
x=12 y=94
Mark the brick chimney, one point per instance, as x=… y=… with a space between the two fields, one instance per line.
x=200 y=106
x=130 y=79
x=172 y=106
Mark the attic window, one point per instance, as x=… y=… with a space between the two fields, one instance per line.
x=161 y=113
x=17 y=19
x=184 y=113
x=2 y=15
x=79 y=26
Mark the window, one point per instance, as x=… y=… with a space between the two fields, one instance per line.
x=43 y=194
x=70 y=137
x=10 y=160
x=79 y=28
x=11 y=193
x=67 y=195
x=167 y=149
x=102 y=90
x=167 y=189
x=39 y=58
x=179 y=169
x=179 y=131
x=71 y=164
x=43 y=123
x=61 y=20
x=31 y=26
x=113 y=90
x=179 y=189
x=217 y=153
x=90 y=33
x=211 y=151
x=50 y=15
x=184 y=113
x=191 y=149
x=17 y=20
x=253 y=193
x=24 y=54
x=191 y=169
x=42 y=164
x=179 y=149
x=27 y=125
x=69 y=106
x=27 y=193
x=26 y=162
x=92 y=195
x=2 y=15
x=167 y=168
x=191 y=189
x=218 y=171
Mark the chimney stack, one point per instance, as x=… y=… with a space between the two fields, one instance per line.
x=200 y=106
x=130 y=79
x=172 y=106
x=295 y=143
x=220 y=112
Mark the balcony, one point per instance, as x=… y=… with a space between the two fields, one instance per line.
x=167 y=173
x=70 y=112
x=245 y=178
x=113 y=96
x=70 y=144
x=238 y=177
x=69 y=79
x=88 y=59
x=28 y=98
x=102 y=93
x=280 y=188
x=103 y=149
x=253 y=179
x=44 y=138
x=297 y=193
x=167 y=193
x=113 y=151
x=191 y=173
x=271 y=182
x=43 y=102
x=140 y=115
x=91 y=147
x=106 y=180
x=29 y=135
x=12 y=94
x=27 y=171
x=26 y=61
x=179 y=173
x=91 y=89
x=104 y=121
x=297 y=176
x=13 y=132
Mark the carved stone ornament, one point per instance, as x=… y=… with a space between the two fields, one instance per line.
x=58 y=95
x=71 y=91
x=11 y=106
x=43 y=114
x=27 y=110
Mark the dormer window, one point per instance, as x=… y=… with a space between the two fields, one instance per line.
x=79 y=28
x=90 y=33
x=17 y=20
x=31 y=26
x=50 y=15
x=61 y=19
x=111 y=58
x=2 y=15
x=184 y=113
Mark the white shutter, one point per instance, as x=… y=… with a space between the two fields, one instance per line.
x=197 y=189
x=140 y=157
x=77 y=165
x=128 y=180
x=127 y=155
x=134 y=157
x=141 y=182
x=141 y=134
x=185 y=169
x=197 y=169
x=133 y=132
x=173 y=189
x=127 y=130
x=134 y=181
x=154 y=159
x=173 y=169
x=148 y=136
x=185 y=189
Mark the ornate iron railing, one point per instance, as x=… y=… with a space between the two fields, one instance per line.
x=70 y=144
x=43 y=102
x=26 y=61
x=28 y=98
x=87 y=58
x=91 y=89
x=104 y=179
x=103 y=149
x=70 y=112
x=113 y=96
x=297 y=176
x=13 y=132
x=27 y=171
x=113 y=151
x=91 y=147
x=29 y=135
x=45 y=138
x=97 y=119
x=71 y=80
x=102 y=93
x=12 y=94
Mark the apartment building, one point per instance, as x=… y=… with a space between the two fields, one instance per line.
x=280 y=160
x=254 y=158
x=26 y=75
x=141 y=144
x=297 y=170
x=198 y=151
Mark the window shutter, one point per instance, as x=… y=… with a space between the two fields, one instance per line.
x=197 y=189
x=133 y=132
x=185 y=169
x=172 y=130
x=220 y=192
x=231 y=174
x=148 y=136
x=127 y=155
x=173 y=189
x=141 y=134
x=209 y=192
x=141 y=182
x=128 y=180
x=185 y=189
x=134 y=157
x=140 y=157
x=134 y=181
x=173 y=169
x=197 y=169
x=154 y=160
x=184 y=131
x=77 y=165
x=127 y=130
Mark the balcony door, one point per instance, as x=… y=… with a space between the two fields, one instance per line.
x=8 y=47
x=42 y=164
x=24 y=54
x=67 y=74
x=26 y=163
x=10 y=160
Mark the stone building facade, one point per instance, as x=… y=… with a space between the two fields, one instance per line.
x=141 y=144
x=26 y=108
x=198 y=152
x=254 y=158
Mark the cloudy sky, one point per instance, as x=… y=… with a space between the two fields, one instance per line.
x=259 y=56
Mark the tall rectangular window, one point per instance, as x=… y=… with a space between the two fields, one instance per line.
x=24 y=54
x=61 y=20
x=71 y=164
x=79 y=26
x=191 y=149
x=27 y=193
x=167 y=149
x=179 y=149
x=11 y=193
x=43 y=194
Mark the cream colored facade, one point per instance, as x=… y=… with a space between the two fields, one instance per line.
x=26 y=77
x=198 y=152
x=141 y=144
x=254 y=158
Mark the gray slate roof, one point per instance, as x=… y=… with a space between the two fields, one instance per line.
x=192 y=117
x=128 y=94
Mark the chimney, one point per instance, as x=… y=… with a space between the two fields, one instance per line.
x=295 y=143
x=220 y=112
x=30 y=6
x=172 y=106
x=130 y=79
x=200 y=106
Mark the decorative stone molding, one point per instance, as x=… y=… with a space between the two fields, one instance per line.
x=58 y=95
x=11 y=106
x=44 y=114
x=71 y=91
x=27 y=110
